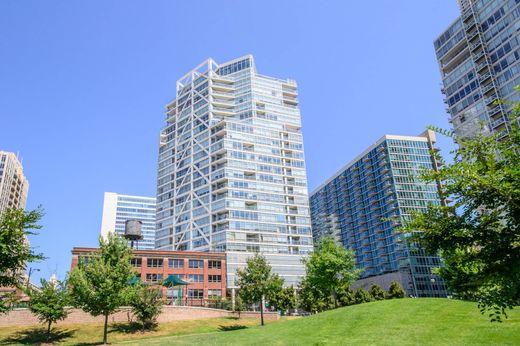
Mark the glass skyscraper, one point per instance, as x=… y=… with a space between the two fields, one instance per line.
x=478 y=58
x=231 y=173
x=117 y=209
x=363 y=203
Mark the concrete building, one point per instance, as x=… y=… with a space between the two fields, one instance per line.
x=231 y=173
x=478 y=57
x=366 y=200
x=204 y=272
x=13 y=184
x=117 y=209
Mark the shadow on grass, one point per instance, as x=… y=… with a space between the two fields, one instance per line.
x=37 y=336
x=232 y=327
x=131 y=328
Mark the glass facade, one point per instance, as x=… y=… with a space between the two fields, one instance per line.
x=231 y=169
x=362 y=205
x=478 y=57
x=117 y=209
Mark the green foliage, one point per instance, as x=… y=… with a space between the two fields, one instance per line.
x=346 y=297
x=147 y=303
x=376 y=292
x=285 y=299
x=395 y=291
x=15 y=251
x=362 y=296
x=478 y=232
x=257 y=281
x=101 y=286
x=49 y=303
x=330 y=269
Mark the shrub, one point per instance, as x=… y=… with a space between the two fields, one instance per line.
x=377 y=292
x=395 y=291
x=362 y=296
x=146 y=303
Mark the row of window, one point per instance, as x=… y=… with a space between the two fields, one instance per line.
x=156 y=277
x=175 y=263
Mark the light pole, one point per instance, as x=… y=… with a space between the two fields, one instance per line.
x=29 y=276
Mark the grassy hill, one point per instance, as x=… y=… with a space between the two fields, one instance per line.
x=391 y=322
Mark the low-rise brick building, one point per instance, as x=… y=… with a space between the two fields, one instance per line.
x=205 y=272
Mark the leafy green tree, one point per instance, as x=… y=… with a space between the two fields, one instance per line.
x=478 y=231
x=376 y=292
x=285 y=299
x=147 y=303
x=362 y=296
x=330 y=268
x=101 y=285
x=49 y=302
x=395 y=291
x=239 y=305
x=15 y=251
x=257 y=282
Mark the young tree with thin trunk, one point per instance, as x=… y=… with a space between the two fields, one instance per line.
x=49 y=302
x=101 y=285
x=257 y=282
x=147 y=303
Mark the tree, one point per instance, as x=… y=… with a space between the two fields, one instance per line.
x=478 y=231
x=15 y=251
x=395 y=291
x=346 y=296
x=329 y=269
x=257 y=282
x=362 y=296
x=239 y=305
x=49 y=302
x=377 y=292
x=147 y=303
x=100 y=285
x=285 y=299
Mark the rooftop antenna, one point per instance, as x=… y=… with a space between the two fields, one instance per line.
x=133 y=232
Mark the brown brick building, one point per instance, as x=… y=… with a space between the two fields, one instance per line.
x=205 y=272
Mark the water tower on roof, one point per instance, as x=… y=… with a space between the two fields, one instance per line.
x=133 y=232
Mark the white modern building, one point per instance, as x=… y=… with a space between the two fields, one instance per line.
x=13 y=184
x=231 y=173
x=117 y=209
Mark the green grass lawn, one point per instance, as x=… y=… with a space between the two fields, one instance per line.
x=392 y=322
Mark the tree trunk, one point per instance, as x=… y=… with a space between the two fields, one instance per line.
x=262 y=310
x=49 y=330
x=105 y=330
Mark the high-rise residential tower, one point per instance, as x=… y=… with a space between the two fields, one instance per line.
x=231 y=169
x=13 y=184
x=478 y=58
x=364 y=202
x=117 y=209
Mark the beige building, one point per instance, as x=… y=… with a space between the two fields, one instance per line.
x=13 y=184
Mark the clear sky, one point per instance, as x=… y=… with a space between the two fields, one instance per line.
x=83 y=85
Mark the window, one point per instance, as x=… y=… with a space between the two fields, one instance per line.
x=195 y=278
x=214 y=293
x=195 y=293
x=214 y=264
x=176 y=263
x=154 y=263
x=214 y=278
x=136 y=262
x=196 y=264
x=153 y=278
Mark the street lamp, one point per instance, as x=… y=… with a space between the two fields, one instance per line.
x=29 y=276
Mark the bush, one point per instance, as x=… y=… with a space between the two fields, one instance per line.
x=377 y=292
x=395 y=291
x=346 y=297
x=362 y=296
x=146 y=303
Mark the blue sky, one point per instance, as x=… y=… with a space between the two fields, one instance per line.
x=83 y=86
